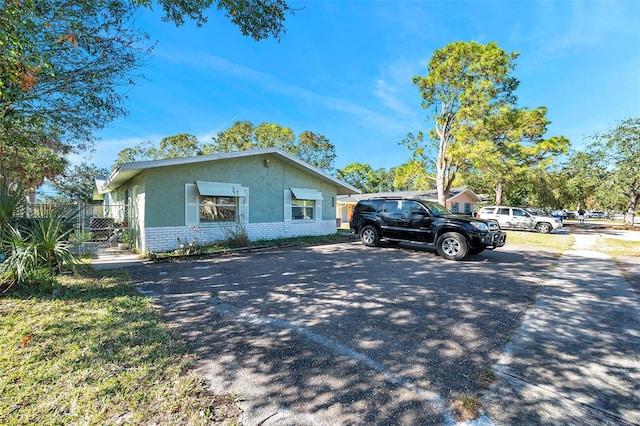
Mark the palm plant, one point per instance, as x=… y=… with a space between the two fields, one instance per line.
x=39 y=246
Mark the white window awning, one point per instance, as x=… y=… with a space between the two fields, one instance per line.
x=306 y=194
x=220 y=189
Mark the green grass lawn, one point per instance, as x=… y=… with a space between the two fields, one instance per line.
x=617 y=247
x=97 y=352
x=559 y=242
x=562 y=242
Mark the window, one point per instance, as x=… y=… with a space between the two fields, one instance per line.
x=215 y=202
x=218 y=209
x=411 y=207
x=503 y=211
x=302 y=204
x=302 y=209
x=389 y=207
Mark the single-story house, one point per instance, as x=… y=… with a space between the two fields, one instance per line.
x=460 y=200
x=266 y=193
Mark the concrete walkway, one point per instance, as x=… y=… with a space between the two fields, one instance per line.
x=576 y=358
x=114 y=258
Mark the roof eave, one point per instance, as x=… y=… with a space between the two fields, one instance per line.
x=125 y=172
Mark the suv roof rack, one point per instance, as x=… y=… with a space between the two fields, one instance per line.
x=398 y=197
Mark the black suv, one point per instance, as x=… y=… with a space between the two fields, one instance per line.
x=417 y=220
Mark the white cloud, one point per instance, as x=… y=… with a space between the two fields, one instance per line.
x=274 y=84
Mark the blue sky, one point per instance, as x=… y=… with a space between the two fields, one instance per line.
x=344 y=68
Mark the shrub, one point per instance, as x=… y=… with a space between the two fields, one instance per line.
x=237 y=237
x=42 y=247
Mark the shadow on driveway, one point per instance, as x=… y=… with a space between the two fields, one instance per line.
x=345 y=334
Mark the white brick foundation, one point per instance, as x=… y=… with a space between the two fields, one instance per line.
x=168 y=238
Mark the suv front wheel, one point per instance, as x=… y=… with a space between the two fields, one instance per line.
x=543 y=228
x=452 y=246
x=369 y=236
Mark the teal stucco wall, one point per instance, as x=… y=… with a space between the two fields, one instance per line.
x=164 y=187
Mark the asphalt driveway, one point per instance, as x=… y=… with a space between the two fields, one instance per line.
x=345 y=334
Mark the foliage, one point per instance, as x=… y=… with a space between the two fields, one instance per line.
x=40 y=244
x=479 y=134
x=582 y=174
x=27 y=158
x=310 y=147
x=467 y=407
x=239 y=137
x=619 y=149
x=236 y=236
x=11 y=200
x=412 y=176
x=259 y=19
x=361 y=176
x=465 y=82
x=185 y=247
x=314 y=149
x=76 y=183
x=509 y=145
x=180 y=145
x=268 y=135
x=95 y=351
x=64 y=64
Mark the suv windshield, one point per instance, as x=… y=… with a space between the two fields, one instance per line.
x=437 y=209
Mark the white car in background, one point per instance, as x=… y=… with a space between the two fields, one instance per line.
x=517 y=218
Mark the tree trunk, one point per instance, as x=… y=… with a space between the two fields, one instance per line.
x=441 y=170
x=499 y=192
x=630 y=215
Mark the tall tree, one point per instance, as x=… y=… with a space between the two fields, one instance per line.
x=310 y=147
x=62 y=69
x=65 y=65
x=76 y=182
x=239 y=137
x=412 y=176
x=465 y=82
x=509 y=143
x=582 y=175
x=314 y=149
x=268 y=135
x=28 y=158
x=180 y=145
x=360 y=175
x=619 y=147
x=139 y=152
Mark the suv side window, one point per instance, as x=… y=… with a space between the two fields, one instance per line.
x=367 y=206
x=411 y=207
x=503 y=211
x=389 y=207
x=521 y=213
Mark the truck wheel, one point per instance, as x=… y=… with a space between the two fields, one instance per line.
x=452 y=246
x=543 y=228
x=369 y=236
